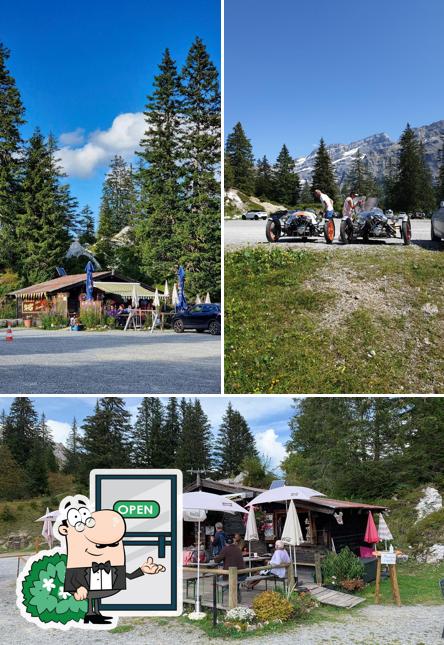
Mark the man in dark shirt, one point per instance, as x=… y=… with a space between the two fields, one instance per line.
x=218 y=540
x=232 y=557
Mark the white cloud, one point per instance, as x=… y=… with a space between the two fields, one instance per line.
x=74 y=138
x=60 y=430
x=122 y=138
x=268 y=444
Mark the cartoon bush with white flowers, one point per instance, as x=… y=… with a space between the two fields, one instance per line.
x=43 y=594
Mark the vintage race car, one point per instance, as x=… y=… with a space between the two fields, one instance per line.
x=373 y=223
x=299 y=224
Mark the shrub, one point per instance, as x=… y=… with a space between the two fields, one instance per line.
x=7 y=514
x=111 y=322
x=303 y=603
x=8 y=310
x=343 y=566
x=52 y=321
x=90 y=316
x=271 y=606
x=241 y=615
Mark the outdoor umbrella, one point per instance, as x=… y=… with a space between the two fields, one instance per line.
x=251 y=531
x=198 y=300
x=384 y=531
x=174 y=296
x=207 y=299
x=371 y=534
x=292 y=533
x=195 y=505
x=89 y=280
x=156 y=301
x=134 y=298
x=47 y=531
x=166 y=289
x=284 y=493
x=182 y=301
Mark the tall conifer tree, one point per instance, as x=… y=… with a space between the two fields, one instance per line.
x=195 y=445
x=239 y=160
x=234 y=443
x=323 y=177
x=287 y=186
x=20 y=429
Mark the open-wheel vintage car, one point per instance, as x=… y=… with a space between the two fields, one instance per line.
x=369 y=221
x=299 y=224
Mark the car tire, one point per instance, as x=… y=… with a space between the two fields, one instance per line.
x=256 y=217
x=214 y=328
x=243 y=217
x=346 y=232
x=178 y=326
x=406 y=232
x=433 y=235
x=329 y=230
x=273 y=231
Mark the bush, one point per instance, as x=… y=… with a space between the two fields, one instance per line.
x=271 y=606
x=7 y=515
x=91 y=316
x=111 y=322
x=303 y=603
x=344 y=566
x=8 y=309
x=52 y=321
x=241 y=615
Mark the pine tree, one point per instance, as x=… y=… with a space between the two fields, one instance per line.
x=37 y=468
x=239 y=160
x=105 y=439
x=12 y=476
x=48 y=212
x=158 y=177
x=412 y=189
x=47 y=444
x=72 y=451
x=172 y=429
x=359 y=179
x=323 y=177
x=264 y=179
x=234 y=443
x=86 y=230
x=427 y=193
x=306 y=194
x=195 y=445
x=118 y=199
x=440 y=180
x=11 y=118
x=286 y=183
x=150 y=444
x=199 y=233
x=20 y=429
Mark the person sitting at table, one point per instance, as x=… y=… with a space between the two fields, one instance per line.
x=240 y=542
x=279 y=557
x=231 y=556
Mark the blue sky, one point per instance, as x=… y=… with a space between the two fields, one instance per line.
x=80 y=66
x=296 y=71
x=267 y=416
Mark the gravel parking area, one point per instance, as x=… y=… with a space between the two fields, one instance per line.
x=110 y=362
x=241 y=233
x=371 y=625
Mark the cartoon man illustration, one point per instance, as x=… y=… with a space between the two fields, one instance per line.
x=95 y=565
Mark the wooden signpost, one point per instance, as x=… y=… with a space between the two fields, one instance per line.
x=388 y=558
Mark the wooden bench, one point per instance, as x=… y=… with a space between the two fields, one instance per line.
x=266 y=579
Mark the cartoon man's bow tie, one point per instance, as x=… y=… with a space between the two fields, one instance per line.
x=101 y=567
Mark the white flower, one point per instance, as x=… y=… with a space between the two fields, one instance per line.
x=48 y=584
x=242 y=614
x=63 y=594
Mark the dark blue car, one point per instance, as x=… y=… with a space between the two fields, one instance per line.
x=205 y=317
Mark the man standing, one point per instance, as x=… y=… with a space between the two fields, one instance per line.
x=327 y=203
x=218 y=540
x=349 y=208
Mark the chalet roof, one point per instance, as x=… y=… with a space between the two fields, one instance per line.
x=57 y=284
x=337 y=503
x=223 y=487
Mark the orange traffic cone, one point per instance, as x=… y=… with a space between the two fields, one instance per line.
x=9 y=336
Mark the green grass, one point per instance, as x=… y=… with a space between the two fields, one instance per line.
x=121 y=629
x=276 y=341
x=418 y=585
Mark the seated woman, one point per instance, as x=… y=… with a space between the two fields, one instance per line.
x=279 y=557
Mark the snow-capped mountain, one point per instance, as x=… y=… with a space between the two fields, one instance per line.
x=378 y=150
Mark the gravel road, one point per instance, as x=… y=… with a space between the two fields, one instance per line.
x=240 y=233
x=371 y=625
x=64 y=362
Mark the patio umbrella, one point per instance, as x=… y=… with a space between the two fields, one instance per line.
x=134 y=298
x=371 y=534
x=89 y=280
x=182 y=301
x=251 y=531
x=292 y=533
x=284 y=493
x=207 y=299
x=194 y=506
x=47 y=530
x=384 y=531
x=166 y=290
x=174 y=296
x=156 y=301
x=198 y=300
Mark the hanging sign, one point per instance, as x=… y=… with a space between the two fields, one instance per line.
x=388 y=557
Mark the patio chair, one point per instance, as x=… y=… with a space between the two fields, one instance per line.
x=441 y=584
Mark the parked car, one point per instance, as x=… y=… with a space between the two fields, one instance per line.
x=255 y=215
x=206 y=317
x=437 y=224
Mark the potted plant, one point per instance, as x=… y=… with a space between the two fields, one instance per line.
x=27 y=322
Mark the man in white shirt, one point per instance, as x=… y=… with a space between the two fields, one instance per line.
x=326 y=202
x=349 y=208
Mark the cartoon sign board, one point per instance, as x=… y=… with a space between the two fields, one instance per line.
x=119 y=552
